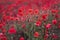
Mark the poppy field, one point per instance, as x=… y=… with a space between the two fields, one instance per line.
x=29 y=19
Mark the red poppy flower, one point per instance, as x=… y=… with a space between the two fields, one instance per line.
x=30 y=11
x=54 y=36
x=57 y=16
x=1 y=35
x=54 y=21
x=21 y=38
x=4 y=38
x=36 y=34
x=38 y=23
x=36 y=11
x=8 y=18
x=54 y=11
x=44 y=16
x=44 y=7
x=12 y=18
x=20 y=14
x=20 y=10
x=45 y=36
x=48 y=26
x=12 y=30
x=17 y=18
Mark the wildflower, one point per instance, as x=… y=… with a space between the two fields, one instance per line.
x=12 y=30
x=12 y=18
x=20 y=10
x=44 y=16
x=2 y=36
x=57 y=16
x=54 y=21
x=36 y=11
x=48 y=26
x=54 y=11
x=36 y=34
x=45 y=36
x=30 y=11
x=54 y=36
x=38 y=23
x=21 y=38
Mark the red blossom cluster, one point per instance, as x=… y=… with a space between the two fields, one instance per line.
x=29 y=19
